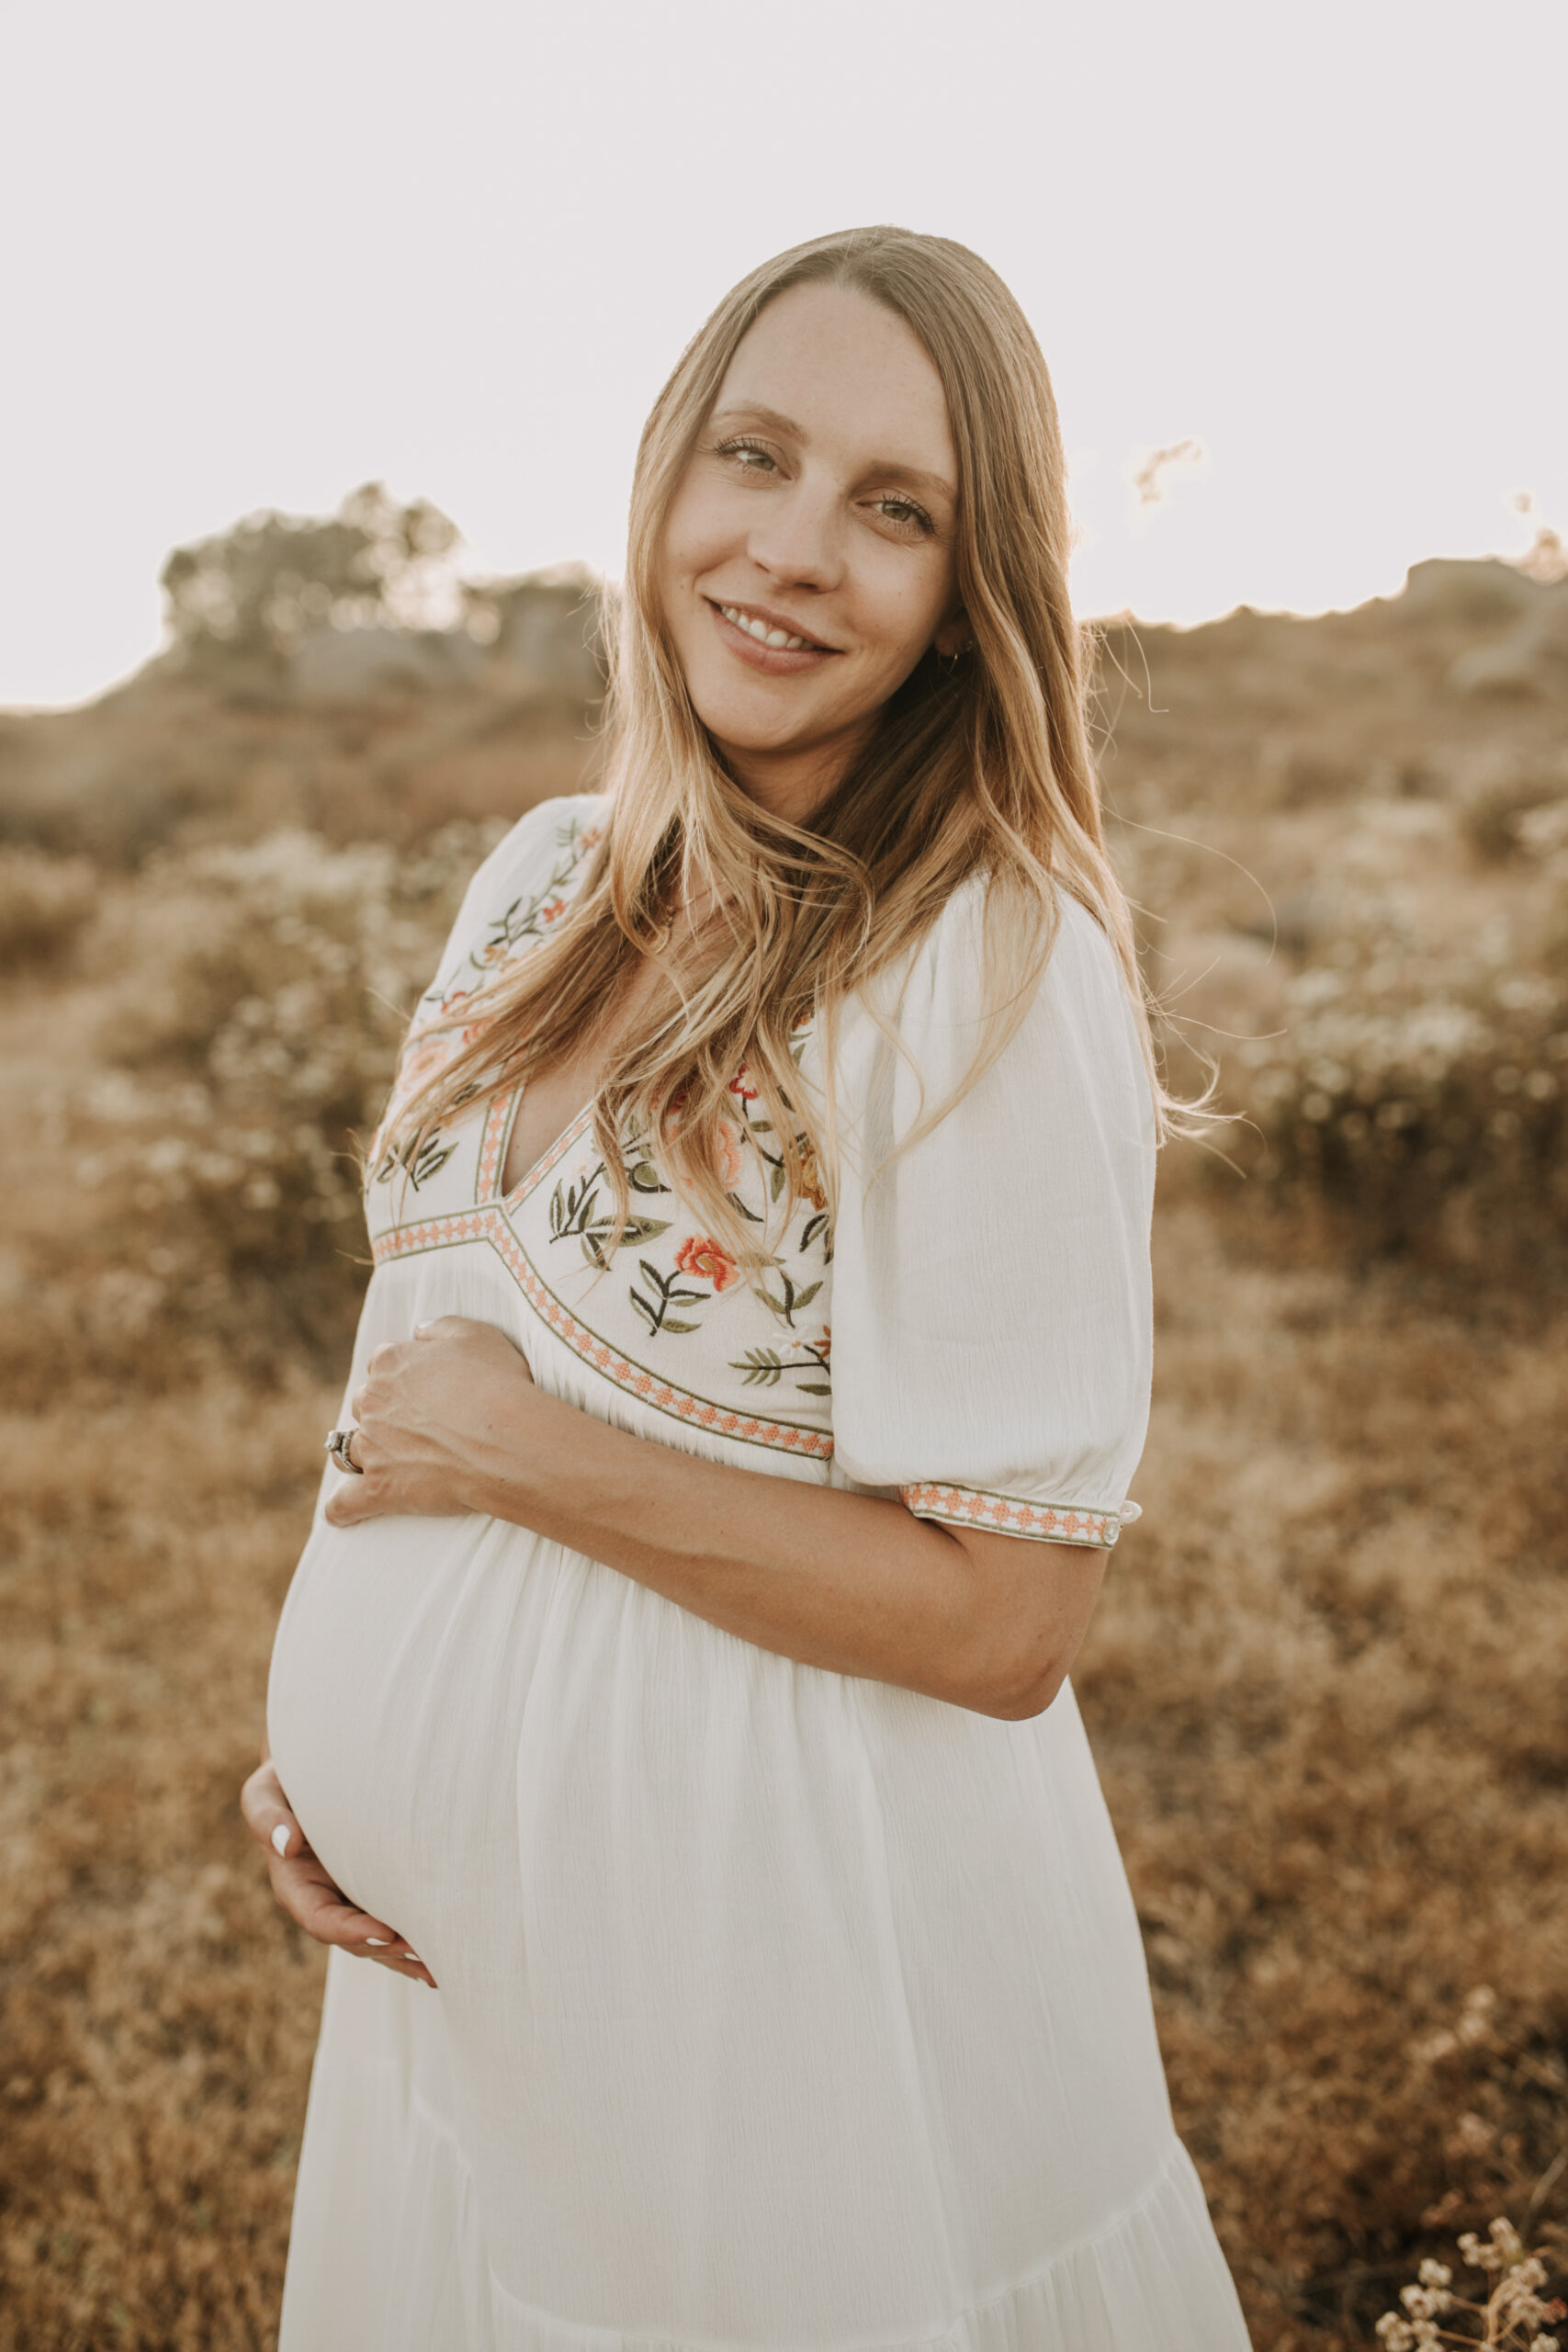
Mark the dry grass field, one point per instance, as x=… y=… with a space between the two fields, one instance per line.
x=1325 y=1685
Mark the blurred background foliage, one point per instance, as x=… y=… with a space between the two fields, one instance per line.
x=1323 y=1691
x=252 y=593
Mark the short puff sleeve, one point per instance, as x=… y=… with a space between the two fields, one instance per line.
x=992 y=1325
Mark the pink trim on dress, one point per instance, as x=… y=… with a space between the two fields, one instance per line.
x=1045 y=1522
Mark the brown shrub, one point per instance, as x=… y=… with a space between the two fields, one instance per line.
x=44 y=903
x=1414 y=1094
x=157 y=2016
x=251 y=1046
x=1322 y=1688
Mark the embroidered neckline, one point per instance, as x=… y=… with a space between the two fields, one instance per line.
x=489 y=1222
x=500 y=1120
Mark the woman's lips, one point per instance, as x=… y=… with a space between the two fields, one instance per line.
x=782 y=661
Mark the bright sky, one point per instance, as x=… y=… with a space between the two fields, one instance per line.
x=256 y=256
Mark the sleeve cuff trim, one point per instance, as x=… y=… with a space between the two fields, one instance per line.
x=1008 y=1515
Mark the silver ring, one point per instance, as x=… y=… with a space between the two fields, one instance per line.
x=338 y=1454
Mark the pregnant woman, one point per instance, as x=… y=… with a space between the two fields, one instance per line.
x=671 y=1698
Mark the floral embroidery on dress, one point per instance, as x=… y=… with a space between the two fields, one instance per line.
x=419 y=1162
x=427 y=1046
x=532 y=913
x=765 y=1367
x=670 y=1295
x=698 y=1255
x=579 y=1210
x=680 y=1275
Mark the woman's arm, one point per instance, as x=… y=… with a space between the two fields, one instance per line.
x=451 y=1422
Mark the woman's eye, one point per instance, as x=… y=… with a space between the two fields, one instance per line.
x=750 y=456
x=905 y=515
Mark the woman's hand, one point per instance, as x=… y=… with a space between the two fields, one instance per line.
x=424 y=1417
x=302 y=1888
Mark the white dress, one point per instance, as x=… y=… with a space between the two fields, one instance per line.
x=777 y=2009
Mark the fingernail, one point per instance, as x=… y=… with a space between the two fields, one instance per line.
x=414 y=1957
x=280 y=1838
x=379 y=1942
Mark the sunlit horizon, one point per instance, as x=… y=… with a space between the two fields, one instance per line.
x=1311 y=268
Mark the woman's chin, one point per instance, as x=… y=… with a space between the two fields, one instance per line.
x=781 y=738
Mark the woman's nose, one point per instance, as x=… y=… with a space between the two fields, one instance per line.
x=797 y=539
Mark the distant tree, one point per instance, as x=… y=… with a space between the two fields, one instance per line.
x=248 y=594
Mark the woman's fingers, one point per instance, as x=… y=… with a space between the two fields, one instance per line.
x=315 y=1902
x=350 y=1502
x=266 y=1813
x=303 y=1889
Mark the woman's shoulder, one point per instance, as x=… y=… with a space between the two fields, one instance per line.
x=974 y=1038
x=519 y=892
x=983 y=945
x=549 y=848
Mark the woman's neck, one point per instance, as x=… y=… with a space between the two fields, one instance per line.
x=793 y=783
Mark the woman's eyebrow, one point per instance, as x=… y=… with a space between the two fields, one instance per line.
x=753 y=413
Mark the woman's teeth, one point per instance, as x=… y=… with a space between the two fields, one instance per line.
x=762 y=632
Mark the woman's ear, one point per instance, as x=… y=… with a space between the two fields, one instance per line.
x=953 y=637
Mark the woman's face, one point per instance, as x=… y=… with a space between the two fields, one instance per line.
x=808 y=557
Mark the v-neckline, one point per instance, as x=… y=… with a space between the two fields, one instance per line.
x=514 y=1197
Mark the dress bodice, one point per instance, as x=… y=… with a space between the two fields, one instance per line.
x=959 y=1303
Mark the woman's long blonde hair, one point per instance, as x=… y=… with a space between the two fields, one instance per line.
x=980 y=768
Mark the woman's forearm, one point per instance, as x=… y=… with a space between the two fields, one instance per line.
x=833 y=1579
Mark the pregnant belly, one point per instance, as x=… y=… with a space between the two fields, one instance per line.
x=401 y=1678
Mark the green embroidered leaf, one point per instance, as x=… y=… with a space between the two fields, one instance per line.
x=428 y=1161
x=813 y=1226
x=643 y=1228
x=782 y=1307
x=804 y=1297
x=815 y=1388
x=644 y=1309
x=775 y=1180
x=431 y=1159
x=644 y=1178
x=671 y=1324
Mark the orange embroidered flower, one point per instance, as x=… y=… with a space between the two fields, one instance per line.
x=705 y=1258
x=421 y=1062
x=552 y=908
x=811 y=1179
x=738 y=1086
x=824 y=1346
x=731 y=1158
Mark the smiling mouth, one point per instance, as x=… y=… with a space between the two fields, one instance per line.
x=765 y=632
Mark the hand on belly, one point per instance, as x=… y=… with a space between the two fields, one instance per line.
x=303 y=1889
